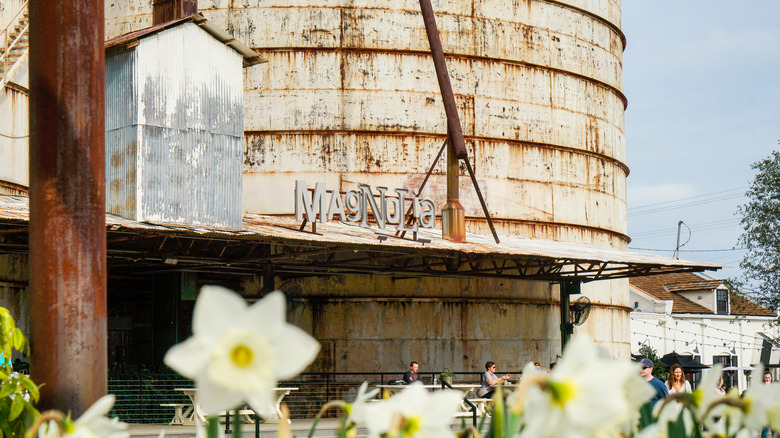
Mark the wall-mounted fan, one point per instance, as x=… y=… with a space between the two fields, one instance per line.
x=579 y=310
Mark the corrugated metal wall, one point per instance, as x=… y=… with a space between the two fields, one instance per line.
x=175 y=129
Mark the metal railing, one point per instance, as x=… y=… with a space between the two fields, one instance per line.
x=9 y=42
x=139 y=396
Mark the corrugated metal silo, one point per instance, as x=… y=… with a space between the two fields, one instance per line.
x=349 y=96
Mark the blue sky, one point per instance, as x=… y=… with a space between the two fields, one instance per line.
x=703 y=85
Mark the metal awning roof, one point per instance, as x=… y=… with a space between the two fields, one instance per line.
x=138 y=248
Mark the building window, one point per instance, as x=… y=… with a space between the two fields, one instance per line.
x=723 y=301
x=729 y=377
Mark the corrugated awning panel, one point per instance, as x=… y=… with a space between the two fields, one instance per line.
x=339 y=248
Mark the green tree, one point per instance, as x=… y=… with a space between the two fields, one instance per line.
x=761 y=236
x=659 y=368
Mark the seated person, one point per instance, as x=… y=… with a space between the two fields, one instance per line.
x=490 y=380
x=411 y=375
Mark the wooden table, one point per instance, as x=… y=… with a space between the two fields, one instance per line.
x=188 y=413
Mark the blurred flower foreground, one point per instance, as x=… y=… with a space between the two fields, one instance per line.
x=238 y=353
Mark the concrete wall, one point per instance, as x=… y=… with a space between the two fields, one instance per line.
x=380 y=324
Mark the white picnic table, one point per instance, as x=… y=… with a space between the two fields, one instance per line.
x=466 y=390
x=189 y=413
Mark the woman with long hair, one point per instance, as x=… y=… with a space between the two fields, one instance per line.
x=677 y=381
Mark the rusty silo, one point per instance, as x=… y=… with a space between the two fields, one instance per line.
x=349 y=96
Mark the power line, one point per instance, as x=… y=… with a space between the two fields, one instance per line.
x=640 y=207
x=684 y=205
x=688 y=250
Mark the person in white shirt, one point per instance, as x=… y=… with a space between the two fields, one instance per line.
x=677 y=381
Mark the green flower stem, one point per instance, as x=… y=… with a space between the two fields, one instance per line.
x=499 y=413
x=212 y=428
x=236 y=423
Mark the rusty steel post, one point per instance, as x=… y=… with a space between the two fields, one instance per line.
x=454 y=129
x=453 y=217
x=67 y=203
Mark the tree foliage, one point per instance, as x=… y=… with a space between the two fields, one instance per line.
x=761 y=235
x=659 y=368
x=18 y=393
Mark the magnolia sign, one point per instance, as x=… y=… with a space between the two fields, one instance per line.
x=353 y=206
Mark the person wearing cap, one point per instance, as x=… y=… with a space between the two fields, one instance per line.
x=647 y=373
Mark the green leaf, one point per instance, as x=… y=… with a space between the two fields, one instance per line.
x=676 y=429
x=19 y=340
x=7 y=389
x=30 y=386
x=6 y=321
x=16 y=407
x=646 y=415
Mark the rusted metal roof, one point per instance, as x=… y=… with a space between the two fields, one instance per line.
x=338 y=248
x=250 y=56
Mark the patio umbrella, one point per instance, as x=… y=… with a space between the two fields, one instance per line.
x=688 y=363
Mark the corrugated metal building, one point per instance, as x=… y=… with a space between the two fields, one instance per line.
x=174 y=126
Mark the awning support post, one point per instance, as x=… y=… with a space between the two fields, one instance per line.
x=567 y=328
x=68 y=203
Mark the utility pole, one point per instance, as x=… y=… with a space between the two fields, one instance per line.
x=677 y=248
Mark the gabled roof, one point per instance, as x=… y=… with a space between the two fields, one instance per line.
x=742 y=306
x=694 y=285
x=666 y=286
x=250 y=56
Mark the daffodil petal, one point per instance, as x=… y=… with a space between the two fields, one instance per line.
x=99 y=409
x=268 y=315
x=263 y=403
x=214 y=399
x=299 y=349
x=215 y=311
x=188 y=358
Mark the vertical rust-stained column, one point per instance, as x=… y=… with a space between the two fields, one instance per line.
x=453 y=216
x=67 y=203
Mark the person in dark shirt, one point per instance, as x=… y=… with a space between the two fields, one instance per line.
x=411 y=375
x=647 y=373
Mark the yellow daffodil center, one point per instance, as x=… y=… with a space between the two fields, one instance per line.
x=561 y=392
x=241 y=355
x=410 y=426
x=748 y=405
x=242 y=361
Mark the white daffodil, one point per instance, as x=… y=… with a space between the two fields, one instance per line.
x=637 y=392
x=356 y=411
x=237 y=352
x=414 y=412
x=583 y=394
x=49 y=429
x=94 y=423
x=758 y=398
x=706 y=394
x=773 y=408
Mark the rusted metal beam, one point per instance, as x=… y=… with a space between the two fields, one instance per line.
x=67 y=203
x=454 y=129
x=453 y=217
